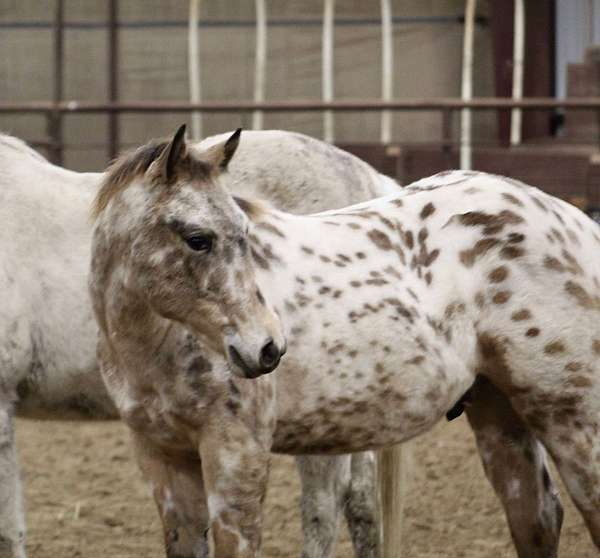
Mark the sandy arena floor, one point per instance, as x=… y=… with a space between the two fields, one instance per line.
x=84 y=498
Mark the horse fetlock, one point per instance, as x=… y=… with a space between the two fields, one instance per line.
x=226 y=541
x=179 y=544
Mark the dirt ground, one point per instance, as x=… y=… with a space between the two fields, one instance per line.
x=84 y=498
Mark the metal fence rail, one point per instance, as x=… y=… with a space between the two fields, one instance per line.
x=445 y=106
x=407 y=104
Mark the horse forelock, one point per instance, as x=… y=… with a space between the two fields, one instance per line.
x=125 y=169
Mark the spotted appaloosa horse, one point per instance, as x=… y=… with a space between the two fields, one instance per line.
x=466 y=289
x=48 y=335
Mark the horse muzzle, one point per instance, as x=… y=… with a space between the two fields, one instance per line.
x=267 y=360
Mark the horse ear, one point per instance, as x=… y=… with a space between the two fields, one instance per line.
x=218 y=156
x=173 y=154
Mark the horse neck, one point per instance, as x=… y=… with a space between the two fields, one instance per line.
x=297 y=254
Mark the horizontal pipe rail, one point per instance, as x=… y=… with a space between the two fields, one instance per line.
x=275 y=22
x=488 y=103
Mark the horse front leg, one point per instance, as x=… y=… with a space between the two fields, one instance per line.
x=12 y=520
x=235 y=466
x=178 y=491
x=325 y=481
x=515 y=464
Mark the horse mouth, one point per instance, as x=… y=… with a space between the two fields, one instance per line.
x=238 y=361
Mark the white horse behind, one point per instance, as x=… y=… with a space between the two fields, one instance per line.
x=48 y=335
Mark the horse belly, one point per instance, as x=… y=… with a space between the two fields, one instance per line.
x=376 y=404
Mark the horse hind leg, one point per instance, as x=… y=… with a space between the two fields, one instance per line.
x=12 y=520
x=515 y=464
x=324 y=482
x=572 y=436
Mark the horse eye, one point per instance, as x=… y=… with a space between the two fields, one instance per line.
x=200 y=242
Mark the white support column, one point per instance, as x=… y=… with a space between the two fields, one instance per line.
x=194 y=67
x=260 y=62
x=387 y=68
x=467 y=86
x=327 y=69
x=518 y=67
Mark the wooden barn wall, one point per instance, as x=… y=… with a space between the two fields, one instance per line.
x=153 y=66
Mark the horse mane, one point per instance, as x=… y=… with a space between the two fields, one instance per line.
x=124 y=170
x=11 y=142
x=255 y=209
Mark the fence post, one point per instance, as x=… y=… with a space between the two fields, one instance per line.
x=260 y=62
x=194 y=67
x=54 y=118
x=327 y=69
x=113 y=77
x=517 y=75
x=466 y=162
x=387 y=69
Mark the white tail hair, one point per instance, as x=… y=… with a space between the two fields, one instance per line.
x=392 y=474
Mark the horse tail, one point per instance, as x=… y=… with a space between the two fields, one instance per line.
x=392 y=473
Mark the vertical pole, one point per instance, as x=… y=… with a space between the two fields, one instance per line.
x=467 y=86
x=518 y=66
x=327 y=70
x=54 y=123
x=194 y=67
x=387 y=69
x=113 y=77
x=260 y=59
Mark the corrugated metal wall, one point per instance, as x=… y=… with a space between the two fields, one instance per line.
x=153 y=64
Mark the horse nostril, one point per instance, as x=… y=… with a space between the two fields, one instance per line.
x=270 y=355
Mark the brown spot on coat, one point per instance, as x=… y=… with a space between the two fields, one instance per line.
x=492 y=223
x=583 y=298
x=376 y=282
x=428 y=210
x=511 y=252
x=521 y=315
x=580 y=382
x=481 y=247
x=539 y=203
x=501 y=297
x=498 y=275
x=512 y=199
x=307 y=250
x=532 y=332
x=554 y=264
x=415 y=360
x=380 y=239
x=596 y=346
x=554 y=347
